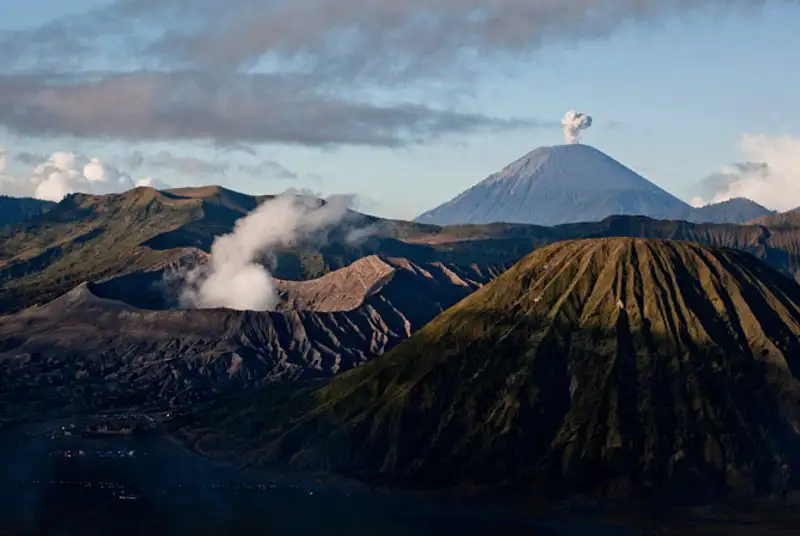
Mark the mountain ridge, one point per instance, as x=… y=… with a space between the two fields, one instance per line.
x=91 y=238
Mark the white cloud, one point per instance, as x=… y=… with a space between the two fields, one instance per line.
x=2 y=160
x=58 y=184
x=152 y=182
x=770 y=175
x=65 y=173
x=95 y=170
x=58 y=161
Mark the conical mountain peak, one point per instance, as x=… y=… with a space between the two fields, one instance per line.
x=560 y=184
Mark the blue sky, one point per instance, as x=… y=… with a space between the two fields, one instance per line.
x=671 y=98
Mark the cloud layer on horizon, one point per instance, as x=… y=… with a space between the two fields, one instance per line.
x=770 y=175
x=246 y=108
x=64 y=173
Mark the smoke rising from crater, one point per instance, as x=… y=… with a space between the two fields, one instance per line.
x=573 y=123
x=234 y=278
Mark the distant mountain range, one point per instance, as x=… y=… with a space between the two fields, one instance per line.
x=575 y=183
x=88 y=238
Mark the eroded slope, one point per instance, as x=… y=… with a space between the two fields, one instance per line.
x=85 y=349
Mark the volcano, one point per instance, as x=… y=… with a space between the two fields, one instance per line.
x=561 y=184
x=613 y=368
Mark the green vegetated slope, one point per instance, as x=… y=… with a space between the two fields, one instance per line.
x=85 y=238
x=612 y=367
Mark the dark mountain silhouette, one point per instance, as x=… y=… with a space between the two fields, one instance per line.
x=617 y=368
x=738 y=210
x=575 y=183
x=19 y=209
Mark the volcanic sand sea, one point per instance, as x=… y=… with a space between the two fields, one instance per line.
x=148 y=484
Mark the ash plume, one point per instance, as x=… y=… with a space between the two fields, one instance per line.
x=573 y=123
x=234 y=278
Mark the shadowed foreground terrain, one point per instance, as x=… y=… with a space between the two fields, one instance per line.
x=612 y=368
x=55 y=480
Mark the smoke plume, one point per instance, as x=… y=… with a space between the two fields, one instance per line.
x=573 y=123
x=235 y=278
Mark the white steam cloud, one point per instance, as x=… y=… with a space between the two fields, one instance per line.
x=770 y=176
x=574 y=122
x=234 y=278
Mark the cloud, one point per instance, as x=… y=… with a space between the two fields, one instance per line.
x=182 y=164
x=151 y=182
x=233 y=147
x=186 y=70
x=238 y=109
x=64 y=173
x=269 y=169
x=379 y=40
x=770 y=176
x=235 y=278
x=30 y=159
x=3 y=153
x=134 y=160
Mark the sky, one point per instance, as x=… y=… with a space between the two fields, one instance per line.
x=404 y=103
